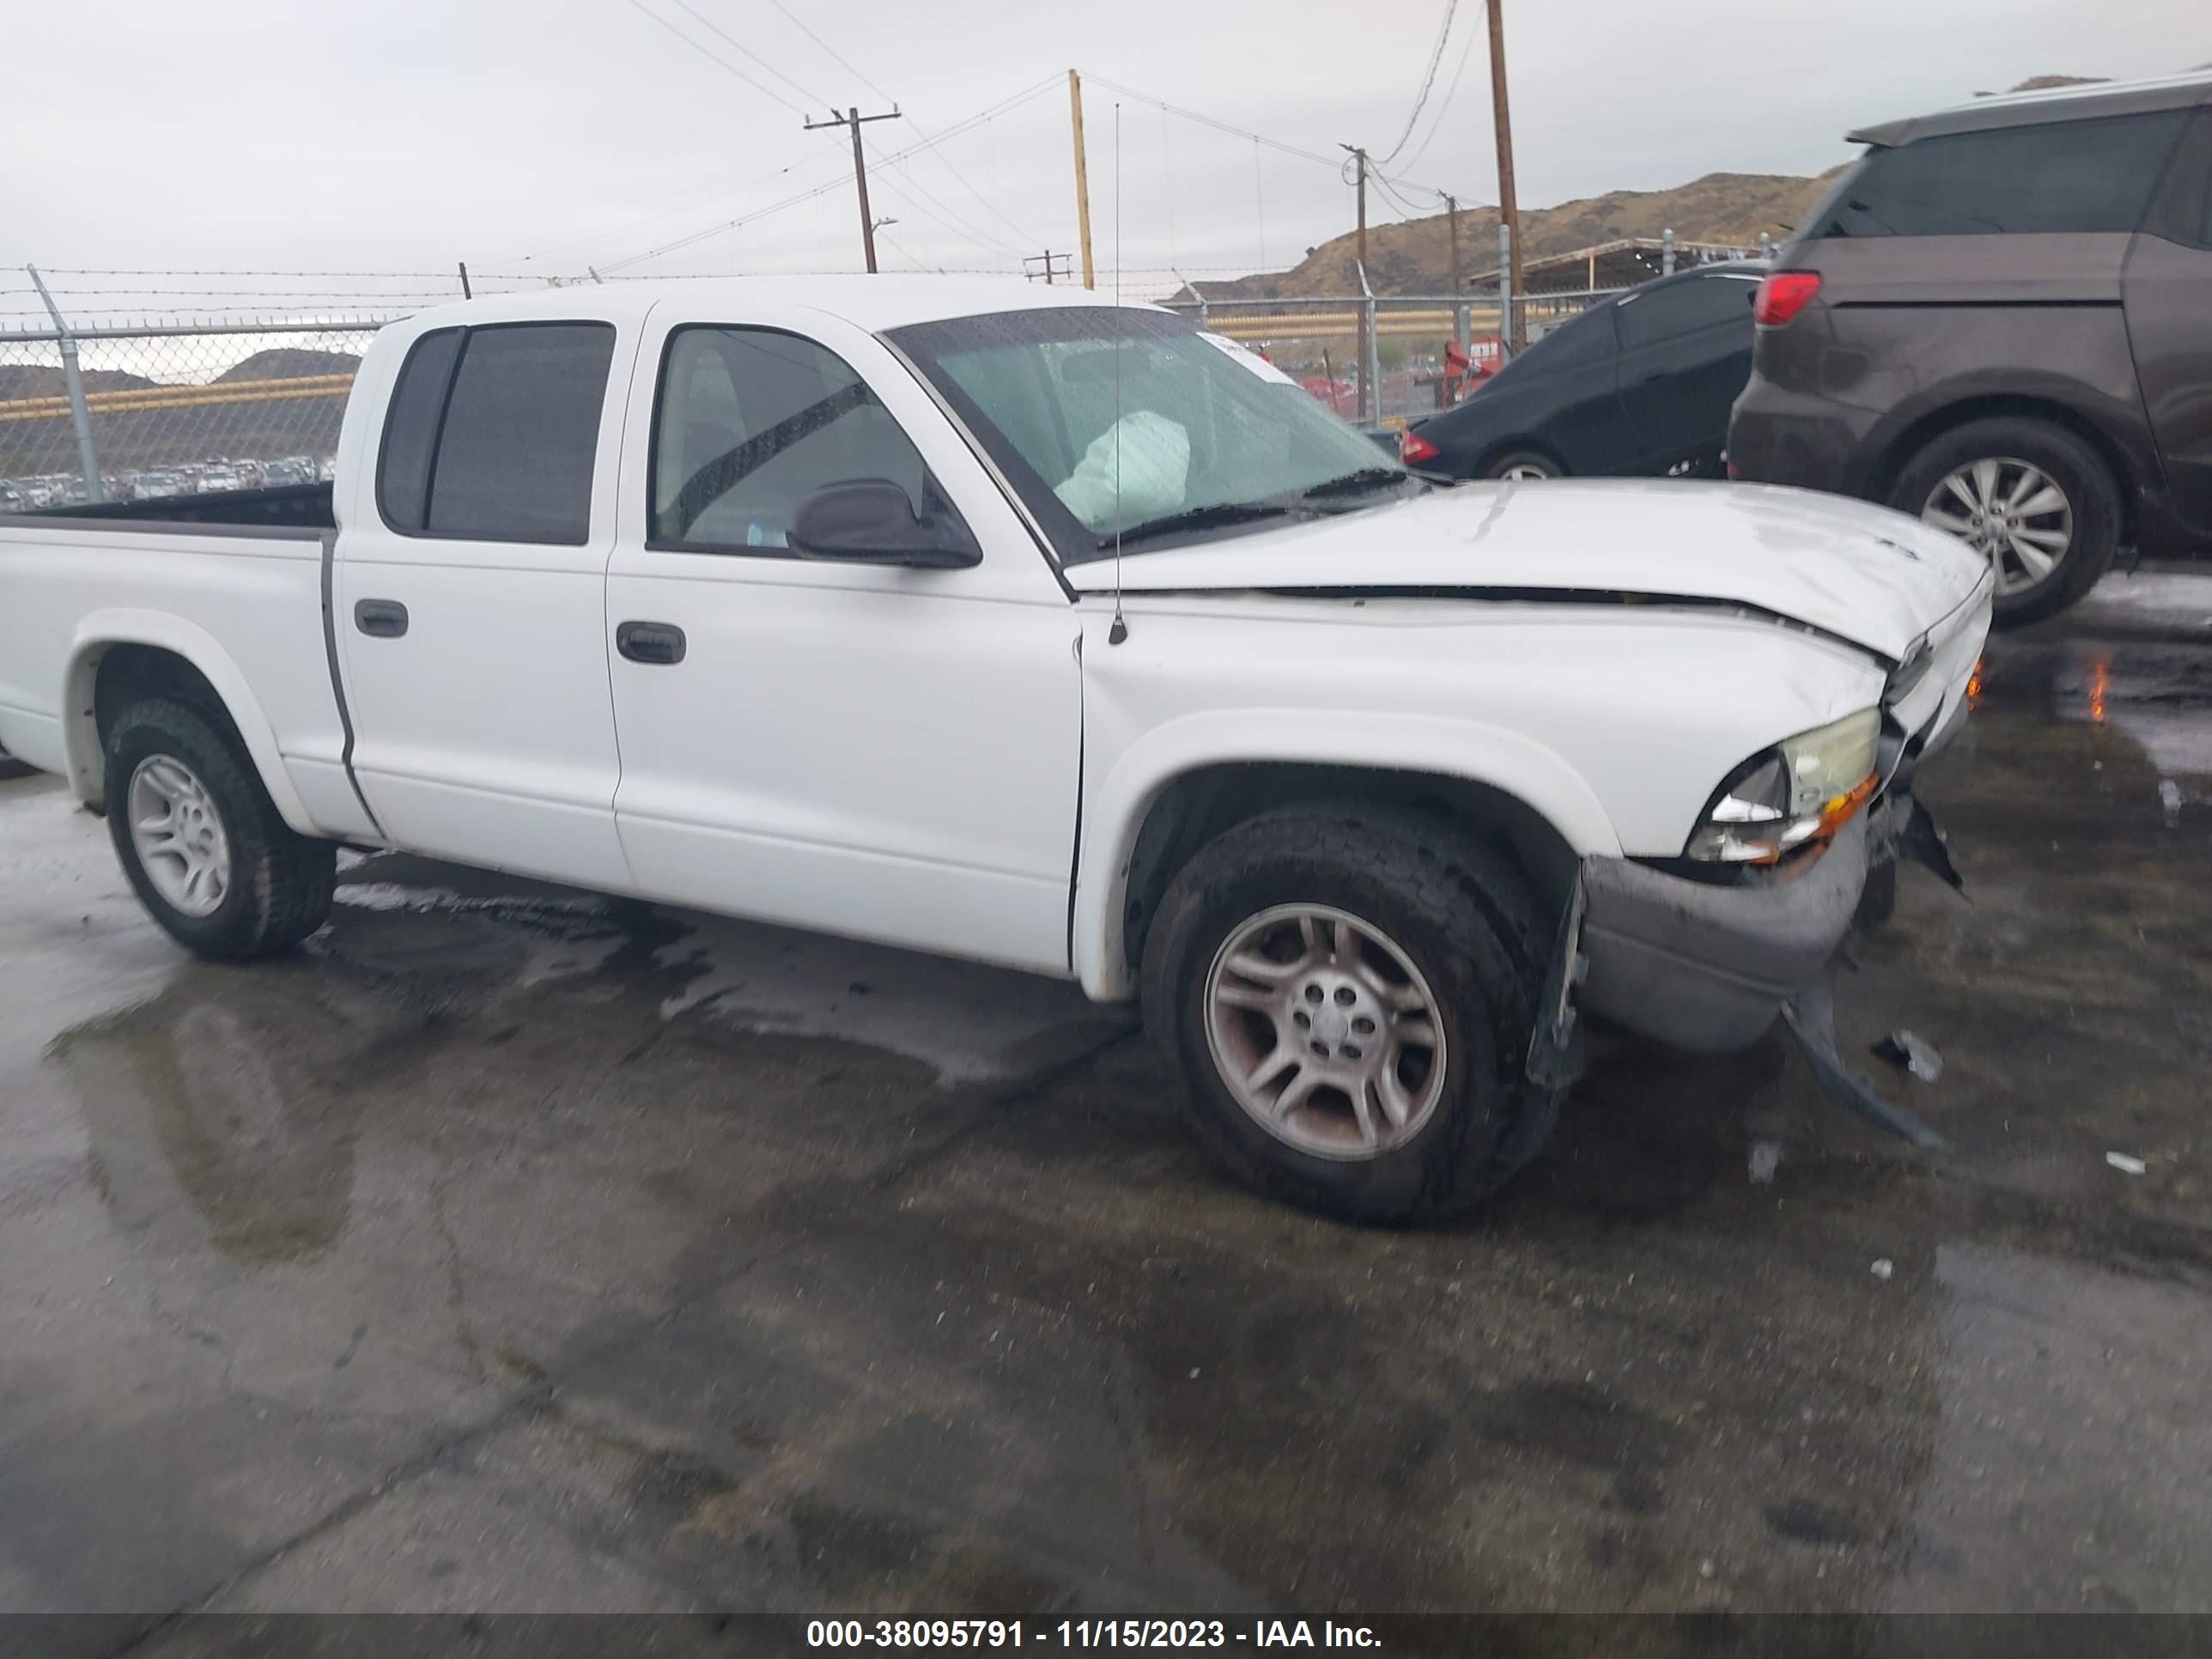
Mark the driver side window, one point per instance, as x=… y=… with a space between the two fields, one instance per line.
x=748 y=422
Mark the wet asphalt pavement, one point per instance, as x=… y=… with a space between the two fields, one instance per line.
x=514 y=1249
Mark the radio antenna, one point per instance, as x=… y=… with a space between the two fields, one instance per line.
x=1120 y=630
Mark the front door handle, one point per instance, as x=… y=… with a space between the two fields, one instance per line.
x=658 y=643
x=380 y=619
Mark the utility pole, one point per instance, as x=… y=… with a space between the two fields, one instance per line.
x=1367 y=310
x=1359 y=157
x=853 y=118
x=1508 y=211
x=1458 y=286
x=1082 y=178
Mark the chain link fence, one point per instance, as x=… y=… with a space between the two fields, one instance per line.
x=122 y=386
x=1404 y=342
x=169 y=411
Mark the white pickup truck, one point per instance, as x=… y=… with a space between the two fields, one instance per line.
x=992 y=621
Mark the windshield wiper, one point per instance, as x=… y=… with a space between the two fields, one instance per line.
x=1367 y=477
x=1198 y=518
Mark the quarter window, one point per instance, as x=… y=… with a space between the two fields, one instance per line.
x=749 y=420
x=2062 y=176
x=493 y=433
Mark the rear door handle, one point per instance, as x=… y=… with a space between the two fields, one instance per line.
x=381 y=619
x=658 y=643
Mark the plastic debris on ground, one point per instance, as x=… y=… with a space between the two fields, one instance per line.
x=1884 y=1268
x=2170 y=797
x=2125 y=1164
x=1913 y=1053
x=1765 y=1159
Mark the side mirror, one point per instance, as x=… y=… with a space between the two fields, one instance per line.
x=871 y=522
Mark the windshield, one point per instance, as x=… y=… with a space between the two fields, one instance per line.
x=1135 y=422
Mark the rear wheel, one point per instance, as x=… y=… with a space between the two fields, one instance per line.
x=2033 y=498
x=203 y=847
x=1525 y=466
x=1349 y=996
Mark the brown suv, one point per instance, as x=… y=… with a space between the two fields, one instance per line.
x=2000 y=320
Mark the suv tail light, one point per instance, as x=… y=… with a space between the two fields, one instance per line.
x=1782 y=295
x=1414 y=449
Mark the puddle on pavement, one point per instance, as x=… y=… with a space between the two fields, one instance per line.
x=222 y=1091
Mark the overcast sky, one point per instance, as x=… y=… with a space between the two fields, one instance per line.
x=404 y=135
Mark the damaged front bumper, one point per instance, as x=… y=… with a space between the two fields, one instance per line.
x=1707 y=967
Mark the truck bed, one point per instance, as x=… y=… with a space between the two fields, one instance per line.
x=240 y=598
x=301 y=506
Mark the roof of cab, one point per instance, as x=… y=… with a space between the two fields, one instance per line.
x=2088 y=101
x=873 y=302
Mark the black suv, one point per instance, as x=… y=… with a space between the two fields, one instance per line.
x=2000 y=320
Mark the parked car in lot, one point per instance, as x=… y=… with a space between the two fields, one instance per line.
x=1638 y=385
x=983 y=619
x=1999 y=321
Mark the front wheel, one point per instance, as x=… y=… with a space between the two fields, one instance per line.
x=205 y=847
x=1349 y=995
x=2033 y=498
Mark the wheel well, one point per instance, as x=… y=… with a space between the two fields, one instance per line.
x=1908 y=443
x=128 y=674
x=1198 y=806
x=113 y=678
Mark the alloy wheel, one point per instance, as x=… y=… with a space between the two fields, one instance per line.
x=178 y=835
x=2011 y=511
x=1325 y=1032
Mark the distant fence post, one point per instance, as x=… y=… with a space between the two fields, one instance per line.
x=1371 y=357
x=73 y=382
x=1191 y=288
x=1505 y=294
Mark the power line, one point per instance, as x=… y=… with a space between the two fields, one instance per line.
x=701 y=48
x=802 y=91
x=833 y=51
x=1208 y=120
x=1336 y=164
x=1466 y=52
x=965 y=228
x=933 y=145
x=1428 y=81
x=1005 y=106
x=654 y=218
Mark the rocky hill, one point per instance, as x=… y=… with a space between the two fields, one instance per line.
x=1414 y=256
x=290 y=363
x=38 y=380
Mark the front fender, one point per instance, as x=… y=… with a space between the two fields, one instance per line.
x=1115 y=807
x=103 y=629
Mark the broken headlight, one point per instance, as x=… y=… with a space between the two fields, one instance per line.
x=1795 y=793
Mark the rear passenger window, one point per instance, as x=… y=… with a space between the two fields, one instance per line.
x=751 y=420
x=2063 y=176
x=1663 y=313
x=493 y=431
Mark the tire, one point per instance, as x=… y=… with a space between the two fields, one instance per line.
x=278 y=884
x=1462 y=919
x=1529 y=463
x=2090 y=497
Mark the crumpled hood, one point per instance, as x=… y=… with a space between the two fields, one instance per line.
x=1860 y=571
